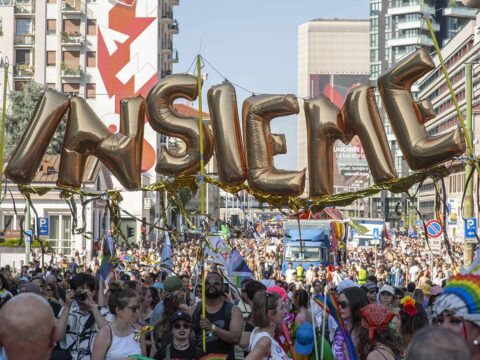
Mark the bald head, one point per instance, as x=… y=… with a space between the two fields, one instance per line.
x=435 y=342
x=28 y=326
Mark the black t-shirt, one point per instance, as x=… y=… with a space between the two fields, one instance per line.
x=191 y=353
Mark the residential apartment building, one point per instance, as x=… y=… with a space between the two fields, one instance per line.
x=333 y=56
x=463 y=48
x=398 y=27
x=101 y=50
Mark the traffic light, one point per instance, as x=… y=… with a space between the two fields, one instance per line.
x=130 y=231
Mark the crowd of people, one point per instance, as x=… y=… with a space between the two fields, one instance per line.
x=399 y=302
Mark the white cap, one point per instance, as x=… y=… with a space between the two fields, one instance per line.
x=345 y=284
x=388 y=289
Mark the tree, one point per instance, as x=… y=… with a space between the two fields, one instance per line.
x=22 y=106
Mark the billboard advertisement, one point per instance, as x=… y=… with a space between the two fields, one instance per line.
x=351 y=170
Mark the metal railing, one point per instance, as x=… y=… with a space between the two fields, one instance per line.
x=71 y=38
x=24 y=8
x=76 y=7
x=24 y=70
x=67 y=70
x=25 y=39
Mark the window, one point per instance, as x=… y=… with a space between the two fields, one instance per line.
x=71 y=26
x=23 y=57
x=51 y=58
x=23 y=26
x=91 y=91
x=71 y=59
x=7 y=222
x=51 y=86
x=51 y=25
x=71 y=88
x=91 y=27
x=91 y=59
x=20 y=85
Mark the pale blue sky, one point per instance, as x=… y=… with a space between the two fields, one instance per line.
x=254 y=44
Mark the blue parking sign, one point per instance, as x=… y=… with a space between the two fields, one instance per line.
x=43 y=226
x=375 y=234
x=471 y=228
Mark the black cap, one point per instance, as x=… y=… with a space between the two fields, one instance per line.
x=180 y=315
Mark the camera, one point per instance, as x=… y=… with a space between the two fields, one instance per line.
x=80 y=296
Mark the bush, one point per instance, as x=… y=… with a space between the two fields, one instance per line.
x=11 y=243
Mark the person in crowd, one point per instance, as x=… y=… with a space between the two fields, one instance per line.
x=371 y=289
x=81 y=318
x=146 y=306
x=376 y=340
x=5 y=294
x=223 y=322
x=300 y=302
x=180 y=346
x=458 y=309
x=171 y=285
x=386 y=295
x=27 y=334
x=350 y=301
x=434 y=342
x=251 y=287
x=118 y=339
x=398 y=298
x=413 y=317
x=267 y=314
x=289 y=273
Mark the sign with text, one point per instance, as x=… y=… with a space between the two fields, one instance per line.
x=471 y=229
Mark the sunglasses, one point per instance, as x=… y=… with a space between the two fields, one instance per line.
x=178 y=326
x=134 y=308
x=214 y=282
x=373 y=291
x=343 y=304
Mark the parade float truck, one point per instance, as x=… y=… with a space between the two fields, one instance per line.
x=308 y=244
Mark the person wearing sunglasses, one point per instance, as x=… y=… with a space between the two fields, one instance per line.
x=181 y=347
x=371 y=290
x=457 y=308
x=119 y=338
x=223 y=322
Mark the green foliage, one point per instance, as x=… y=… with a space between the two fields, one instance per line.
x=11 y=243
x=22 y=106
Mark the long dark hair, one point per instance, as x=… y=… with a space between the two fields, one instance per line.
x=357 y=299
x=385 y=337
x=411 y=324
x=300 y=298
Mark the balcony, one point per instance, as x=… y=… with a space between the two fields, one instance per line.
x=404 y=24
x=423 y=40
x=24 y=40
x=73 y=72
x=460 y=12
x=166 y=17
x=173 y=27
x=72 y=7
x=71 y=39
x=173 y=57
x=173 y=2
x=415 y=7
x=23 y=70
x=24 y=8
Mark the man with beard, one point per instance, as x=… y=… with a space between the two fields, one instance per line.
x=223 y=322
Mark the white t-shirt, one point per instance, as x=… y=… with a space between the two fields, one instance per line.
x=413 y=272
x=289 y=275
x=276 y=351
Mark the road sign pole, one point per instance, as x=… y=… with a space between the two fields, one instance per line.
x=468 y=205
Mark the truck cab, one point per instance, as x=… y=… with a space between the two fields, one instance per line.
x=309 y=245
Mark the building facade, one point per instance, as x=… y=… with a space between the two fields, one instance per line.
x=100 y=50
x=333 y=56
x=461 y=49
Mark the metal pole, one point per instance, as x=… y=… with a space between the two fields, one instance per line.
x=468 y=209
x=4 y=121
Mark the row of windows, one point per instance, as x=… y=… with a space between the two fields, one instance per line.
x=453 y=59
x=456 y=183
x=459 y=75
x=69 y=88
x=449 y=103
x=72 y=26
x=72 y=58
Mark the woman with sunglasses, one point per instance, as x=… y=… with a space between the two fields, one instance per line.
x=351 y=301
x=181 y=347
x=458 y=308
x=119 y=339
x=267 y=315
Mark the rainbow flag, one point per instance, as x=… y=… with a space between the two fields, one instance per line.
x=238 y=268
x=330 y=304
x=106 y=265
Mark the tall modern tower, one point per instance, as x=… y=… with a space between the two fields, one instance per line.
x=333 y=56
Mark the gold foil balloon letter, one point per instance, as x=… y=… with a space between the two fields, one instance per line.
x=28 y=154
x=87 y=135
x=257 y=113
x=222 y=102
x=407 y=116
x=471 y=3
x=164 y=119
x=326 y=124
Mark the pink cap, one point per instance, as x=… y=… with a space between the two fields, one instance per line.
x=278 y=290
